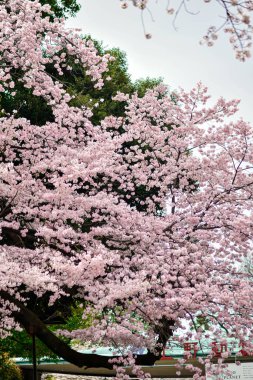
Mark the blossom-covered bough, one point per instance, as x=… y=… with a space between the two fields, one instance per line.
x=236 y=21
x=145 y=218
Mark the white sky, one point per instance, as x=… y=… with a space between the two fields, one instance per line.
x=175 y=55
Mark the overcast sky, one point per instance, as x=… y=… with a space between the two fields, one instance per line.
x=175 y=55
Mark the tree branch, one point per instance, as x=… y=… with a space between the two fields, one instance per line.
x=33 y=325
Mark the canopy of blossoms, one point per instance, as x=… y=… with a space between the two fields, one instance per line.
x=146 y=218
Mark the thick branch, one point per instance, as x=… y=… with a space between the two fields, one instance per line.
x=33 y=325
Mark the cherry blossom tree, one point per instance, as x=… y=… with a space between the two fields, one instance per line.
x=236 y=21
x=145 y=218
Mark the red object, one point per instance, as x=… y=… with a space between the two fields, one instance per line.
x=191 y=347
x=219 y=348
x=242 y=351
x=164 y=357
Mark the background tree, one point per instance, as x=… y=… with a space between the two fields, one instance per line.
x=62 y=8
x=80 y=86
x=59 y=8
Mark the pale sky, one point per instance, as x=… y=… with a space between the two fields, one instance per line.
x=175 y=55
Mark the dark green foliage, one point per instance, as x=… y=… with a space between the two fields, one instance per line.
x=26 y=105
x=19 y=343
x=78 y=84
x=63 y=8
x=8 y=369
x=144 y=84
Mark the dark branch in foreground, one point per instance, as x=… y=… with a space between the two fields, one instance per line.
x=33 y=325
